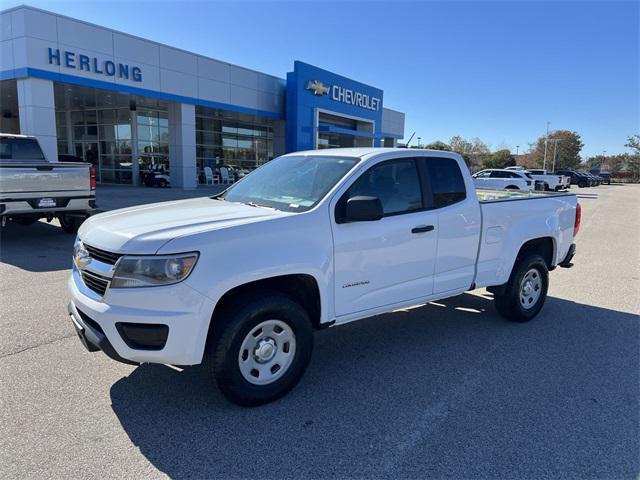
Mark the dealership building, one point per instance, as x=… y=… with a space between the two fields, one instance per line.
x=124 y=103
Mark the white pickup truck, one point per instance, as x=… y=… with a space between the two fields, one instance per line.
x=312 y=239
x=31 y=187
x=550 y=182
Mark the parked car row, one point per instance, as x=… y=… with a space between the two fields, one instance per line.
x=584 y=179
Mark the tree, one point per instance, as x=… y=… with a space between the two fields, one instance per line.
x=499 y=159
x=472 y=151
x=633 y=142
x=569 y=146
x=438 y=145
x=633 y=164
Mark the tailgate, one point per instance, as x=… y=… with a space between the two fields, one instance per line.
x=24 y=180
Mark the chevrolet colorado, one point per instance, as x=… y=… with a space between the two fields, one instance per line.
x=312 y=239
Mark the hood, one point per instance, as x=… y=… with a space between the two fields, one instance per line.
x=146 y=228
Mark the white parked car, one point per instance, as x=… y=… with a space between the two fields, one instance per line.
x=550 y=182
x=504 y=179
x=310 y=240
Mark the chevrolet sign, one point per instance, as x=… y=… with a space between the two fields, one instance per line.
x=345 y=95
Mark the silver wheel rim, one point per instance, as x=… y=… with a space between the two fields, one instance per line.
x=267 y=352
x=530 y=289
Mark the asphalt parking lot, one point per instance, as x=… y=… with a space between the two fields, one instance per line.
x=445 y=390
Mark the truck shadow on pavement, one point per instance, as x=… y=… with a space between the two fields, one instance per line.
x=41 y=247
x=445 y=390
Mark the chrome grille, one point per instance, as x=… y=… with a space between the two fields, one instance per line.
x=95 y=282
x=102 y=255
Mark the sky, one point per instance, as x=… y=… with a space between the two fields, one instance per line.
x=493 y=70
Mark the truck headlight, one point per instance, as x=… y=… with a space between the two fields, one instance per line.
x=151 y=271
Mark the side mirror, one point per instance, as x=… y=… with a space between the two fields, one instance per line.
x=364 y=209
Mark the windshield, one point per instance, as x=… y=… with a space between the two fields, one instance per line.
x=291 y=183
x=20 y=149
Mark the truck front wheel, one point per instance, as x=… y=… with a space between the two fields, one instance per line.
x=526 y=291
x=259 y=348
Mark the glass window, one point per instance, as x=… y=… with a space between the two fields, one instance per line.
x=228 y=141
x=123 y=131
x=291 y=183
x=20 y=149
x=107 y=132
x=447 y=183
x=107 y=117
x=77 y=118
x=78 y=133
x=123 y=115
x=395 y=183
x=91 y=117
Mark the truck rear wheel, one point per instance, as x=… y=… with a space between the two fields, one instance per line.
x=526 y=291
x=69 y=224
x=259 y=348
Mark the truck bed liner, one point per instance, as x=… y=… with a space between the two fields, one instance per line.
x=486 y=195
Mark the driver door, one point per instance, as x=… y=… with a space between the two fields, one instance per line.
x=391 y=260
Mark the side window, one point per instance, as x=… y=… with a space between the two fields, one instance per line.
x=447 y=183
x=395 y=183
x=485 y=174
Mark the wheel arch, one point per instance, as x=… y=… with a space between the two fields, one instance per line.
x=301 y=287
x=545 y=246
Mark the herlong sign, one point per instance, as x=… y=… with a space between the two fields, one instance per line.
x=85 y=63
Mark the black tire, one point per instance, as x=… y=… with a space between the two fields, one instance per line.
x=69 y=224
x=234 y=323
x=509 y=303
x=162 y=183
x=581 y=184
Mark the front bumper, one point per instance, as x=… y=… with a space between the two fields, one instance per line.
x=185 y=312
x=92 y=336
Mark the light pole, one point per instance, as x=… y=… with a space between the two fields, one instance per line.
x=517 y=149
x=546 y=140
x=419 y=144
x=555 y=148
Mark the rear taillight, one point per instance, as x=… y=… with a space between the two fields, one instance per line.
x=560 y=180
x=576 y=226
x=568 y=180
x=92 y=176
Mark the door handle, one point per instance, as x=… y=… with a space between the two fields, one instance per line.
x=422 y=228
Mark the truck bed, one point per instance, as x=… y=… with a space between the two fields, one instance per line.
x=486 y=195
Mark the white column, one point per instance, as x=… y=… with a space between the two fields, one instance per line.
x=37 y=110
x=182 y=145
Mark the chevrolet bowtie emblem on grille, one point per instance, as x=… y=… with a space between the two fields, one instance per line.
x=81 y=256
x=318 y=88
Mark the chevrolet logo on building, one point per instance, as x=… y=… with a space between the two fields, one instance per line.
x=318 y=88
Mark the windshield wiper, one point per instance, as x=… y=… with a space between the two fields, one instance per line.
x=254 y=204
